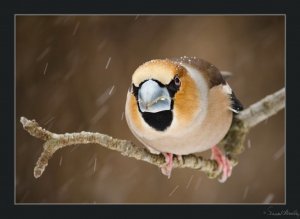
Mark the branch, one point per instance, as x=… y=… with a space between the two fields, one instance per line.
x=233 y=142
x=263 y=109
x=127 y=148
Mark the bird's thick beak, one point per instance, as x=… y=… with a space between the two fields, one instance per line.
x=153 y=98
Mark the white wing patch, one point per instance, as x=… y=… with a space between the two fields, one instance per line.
x=233 y=110
x=227 y=89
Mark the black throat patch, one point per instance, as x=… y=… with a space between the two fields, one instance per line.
x=160 y=121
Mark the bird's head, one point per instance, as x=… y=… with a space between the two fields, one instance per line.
x=161 y=93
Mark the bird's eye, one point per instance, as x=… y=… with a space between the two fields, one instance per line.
x=177 y=81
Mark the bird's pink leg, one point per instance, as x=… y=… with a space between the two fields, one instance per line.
x=223 y=163
x=167 y=168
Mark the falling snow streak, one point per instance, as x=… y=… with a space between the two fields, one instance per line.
x=76 y=59
x=25 y=196
x=76 y=28
x=60 y=161
x=64 y=188
x=174 y=190
x=188 y=185
x=104 y=96
x=108 y=62
x=75 y=147
x=49 y=123
x=122 y=117
x=99 y=114
x=95 y=164
x=245 y=192
x=43 y=54
x=49 y=120
x=278 y=154
x=249 y=143
x=66 y=19
x=269 y=198
x=111 y=90
x=45 y=69
x=105 y=171
x=101 y=45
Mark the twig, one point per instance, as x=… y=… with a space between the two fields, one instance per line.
x=233 y=142
x=263 y=109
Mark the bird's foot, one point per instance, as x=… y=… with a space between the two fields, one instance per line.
x=168 y=166
x=223 y=163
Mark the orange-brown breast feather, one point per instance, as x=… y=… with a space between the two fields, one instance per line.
x=186 y=99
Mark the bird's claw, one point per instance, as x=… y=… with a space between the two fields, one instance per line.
x=223 y=163
x=166 y=169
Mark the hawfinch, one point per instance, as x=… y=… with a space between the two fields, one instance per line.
x=181 y=106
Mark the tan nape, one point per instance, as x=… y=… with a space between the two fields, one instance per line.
x=158 y=69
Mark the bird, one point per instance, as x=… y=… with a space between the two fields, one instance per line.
x=181 y=106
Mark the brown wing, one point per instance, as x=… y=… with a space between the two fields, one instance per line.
x=212 y=75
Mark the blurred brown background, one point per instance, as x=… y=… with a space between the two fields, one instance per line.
x=73 y=72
